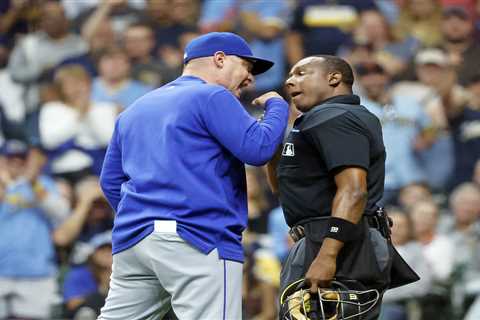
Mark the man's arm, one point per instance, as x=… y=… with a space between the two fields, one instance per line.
x=294 y=47
x=252 y=142
x=271 y=169
x=348 y=204
x=21 y=67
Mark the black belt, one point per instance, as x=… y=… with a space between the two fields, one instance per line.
x=378 y=220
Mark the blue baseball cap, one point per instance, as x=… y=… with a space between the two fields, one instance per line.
x=231 y=44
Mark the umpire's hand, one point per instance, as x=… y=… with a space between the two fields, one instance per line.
x=262 y=100
x=323 y=268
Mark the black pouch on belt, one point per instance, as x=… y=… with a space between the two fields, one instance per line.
x=357 y=259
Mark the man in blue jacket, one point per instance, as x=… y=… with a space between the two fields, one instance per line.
x=174 y=173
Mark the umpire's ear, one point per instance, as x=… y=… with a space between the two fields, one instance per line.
x=334 y=78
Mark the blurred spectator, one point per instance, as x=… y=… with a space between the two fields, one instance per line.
x=439 y=251
x=119 y=12
x=427 y=63
x=278 y=232
x=86 y=286
x=12 y=106
x=476 y=173
x=437 y=248
x=397 y=302
x=114 y=83
x=264 y=25
x=139 y=44
x=75 y=130
x=91 y=216
x=172 y=20
x=101 y=37
x=263 y=268
x=258 y=206
x=18 y=17
x=218 y=16
x=465 y=236
x=374 y=33
x=74 y=8
x=37 y=53
x=412 y=194
x=31 y=209
x=474 y=310
x=453 y=113
x=321 y=27
x=430 y=64
x=389 y=9
x=459 y=42
x=262 y=277
x=403 y=124
x=421 y=20
x=473 y=87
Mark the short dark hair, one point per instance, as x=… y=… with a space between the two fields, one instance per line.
x=336 y=64
x=140 y=25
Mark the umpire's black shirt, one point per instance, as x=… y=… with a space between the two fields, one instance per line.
x=337 y=133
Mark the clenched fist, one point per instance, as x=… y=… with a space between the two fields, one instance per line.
x=260 y=101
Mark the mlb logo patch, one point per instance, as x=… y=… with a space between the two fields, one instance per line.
x=288 y=150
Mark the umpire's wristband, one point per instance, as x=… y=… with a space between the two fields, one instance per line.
x=343 y=230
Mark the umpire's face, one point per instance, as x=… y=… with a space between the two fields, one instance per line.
x=308 y=84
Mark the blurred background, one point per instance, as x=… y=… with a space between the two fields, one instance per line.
x=67 y=68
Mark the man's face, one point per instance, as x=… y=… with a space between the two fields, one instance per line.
x=236 y=74
x=75 y=88
x=114 y=67
x=103 y=38
x=54 y=21
x=16 y=165
x=139 y=42
x=456 y=29
x=441 y=78
x=422 y=8
x=374 y=84
x=307 y=83
x=466 y=208
x=424 y=217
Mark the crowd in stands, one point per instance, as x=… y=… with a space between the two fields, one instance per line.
x=68 y=68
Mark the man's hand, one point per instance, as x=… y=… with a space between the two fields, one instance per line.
x=323 y=268
x=90 y=191
x=260 y=101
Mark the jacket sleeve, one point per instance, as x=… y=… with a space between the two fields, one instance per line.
x=252 y=142
x=20 y=66
x=112 y=176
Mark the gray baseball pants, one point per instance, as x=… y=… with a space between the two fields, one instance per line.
x=163 y=271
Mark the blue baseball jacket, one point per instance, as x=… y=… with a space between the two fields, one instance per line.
x=178 y=153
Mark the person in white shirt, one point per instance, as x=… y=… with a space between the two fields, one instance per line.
x=396 y=300
x=437 y=248
x=74 y=130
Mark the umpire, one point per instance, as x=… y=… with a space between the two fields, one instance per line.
x=329 y=177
